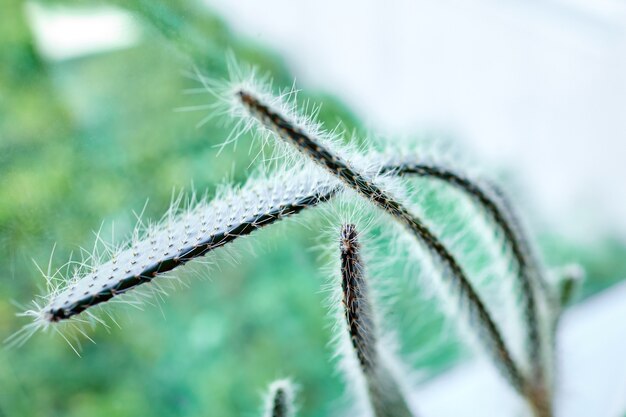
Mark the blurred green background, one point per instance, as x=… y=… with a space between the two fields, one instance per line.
x=87 y=140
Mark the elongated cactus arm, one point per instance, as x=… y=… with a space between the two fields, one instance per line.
x=384 y=393
x=357 y=307
x=205 y=228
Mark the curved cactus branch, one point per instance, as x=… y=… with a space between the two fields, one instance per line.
x=493 y=201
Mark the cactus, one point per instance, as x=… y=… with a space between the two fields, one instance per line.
x=183 y=236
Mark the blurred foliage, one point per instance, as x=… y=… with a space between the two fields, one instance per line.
x=92 y=138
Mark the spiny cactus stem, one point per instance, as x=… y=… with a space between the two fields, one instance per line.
x=62 y=311
x=518 y=244
x=384 y=392
x=362 y=185
x=357 y=309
